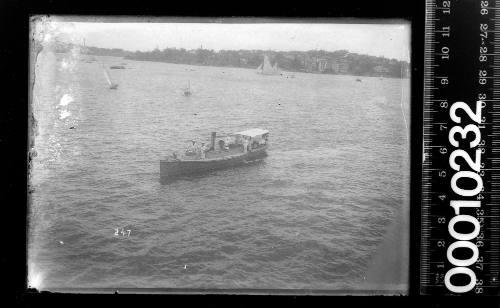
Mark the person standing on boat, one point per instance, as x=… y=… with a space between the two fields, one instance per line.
x=245 y=145
x=203 y=149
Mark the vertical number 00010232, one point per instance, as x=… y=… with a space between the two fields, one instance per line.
x=461 y=132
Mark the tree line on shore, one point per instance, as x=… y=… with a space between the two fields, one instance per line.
x=313 y=61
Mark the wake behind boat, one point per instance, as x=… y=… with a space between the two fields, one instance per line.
x=230 y=151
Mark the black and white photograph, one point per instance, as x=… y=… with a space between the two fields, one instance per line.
x=225 y=154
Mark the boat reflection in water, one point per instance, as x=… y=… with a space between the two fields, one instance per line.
x=238 y=149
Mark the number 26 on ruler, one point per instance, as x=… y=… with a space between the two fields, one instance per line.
x=470 y=172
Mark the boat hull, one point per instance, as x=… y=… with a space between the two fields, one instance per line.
x=172 y=169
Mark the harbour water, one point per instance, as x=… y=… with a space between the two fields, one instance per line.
x=312 y=215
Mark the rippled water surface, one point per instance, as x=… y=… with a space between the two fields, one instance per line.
x=310 y=216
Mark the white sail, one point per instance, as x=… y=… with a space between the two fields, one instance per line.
x=267 y=69
x=259 y=69
x=276 y=69
x=108 y=78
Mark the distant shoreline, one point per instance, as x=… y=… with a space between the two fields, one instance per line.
x=251 y=68
x=339 y=62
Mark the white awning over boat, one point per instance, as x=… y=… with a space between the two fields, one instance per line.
x=253 y=132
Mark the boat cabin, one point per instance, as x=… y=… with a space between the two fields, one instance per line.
x=254 y=137
x=240 y=143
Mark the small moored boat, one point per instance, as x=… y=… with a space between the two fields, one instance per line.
x=187 y=90
x=227 y=152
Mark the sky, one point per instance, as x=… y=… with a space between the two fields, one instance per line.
x=390 y=40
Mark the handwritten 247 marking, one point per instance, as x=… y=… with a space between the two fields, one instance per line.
x=122 y=232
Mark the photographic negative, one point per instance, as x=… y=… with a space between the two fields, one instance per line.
x=243 y=155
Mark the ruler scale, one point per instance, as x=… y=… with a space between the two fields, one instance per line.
x=460 y=207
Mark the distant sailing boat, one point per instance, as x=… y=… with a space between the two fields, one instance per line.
x=187 y=90
x=112 y=85
x=267 y=69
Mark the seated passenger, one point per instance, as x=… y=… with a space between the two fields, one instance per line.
x=191 y=150
x=221 y=145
